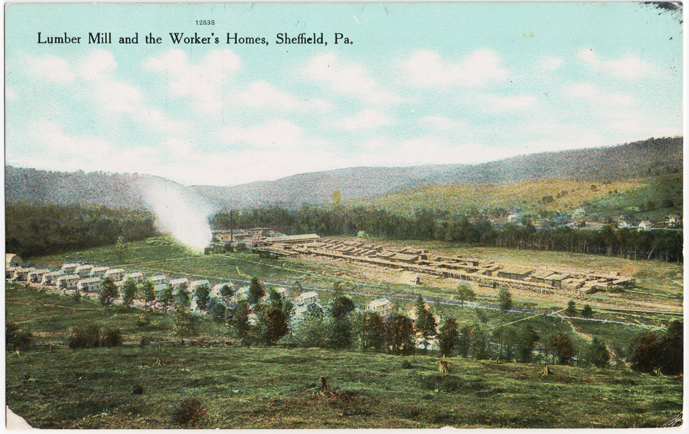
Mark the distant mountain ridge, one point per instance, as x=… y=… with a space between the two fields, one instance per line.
x=127 y=190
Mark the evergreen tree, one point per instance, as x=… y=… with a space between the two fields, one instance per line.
x=465 y=293
x=571 y=309
x=256 y=291
x=464 y=341
x=672 y=353
x=274 y=324
x=527 y=337
x=479 y=342
x=505 y=299
x=448 y=337
x=201 y=295
x=218 y=310
x=148 y=291
x=597 y=353
x=425 y=322
x=587 y=312
x=370 y=331
x=399 y=334
x=240 y=319
x=275 y=298
x=561 y=347
x=181 y=297
x=341 y=306
x=108 y=291
x=165 y=295
x=128 y=291
x=506 y=338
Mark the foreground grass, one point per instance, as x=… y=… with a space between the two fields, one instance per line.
x=274 y=387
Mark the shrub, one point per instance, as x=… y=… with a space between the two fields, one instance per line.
x=644 y=352
x=505 y=299
x=142 y=320
x=406 y=364
x=185 y=323
x=112 y=337
x=597 y=353
x=145 y=340
x=587 y=312
x=84 y=337
x=571 y=309
x=189 y=411
x=76 y=296
x=671 y=360
x=16 y=339
x=561 y=347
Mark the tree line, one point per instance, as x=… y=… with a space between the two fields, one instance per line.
x=426 y=224
x=36 y=230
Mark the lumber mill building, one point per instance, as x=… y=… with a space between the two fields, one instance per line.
x=483 y=272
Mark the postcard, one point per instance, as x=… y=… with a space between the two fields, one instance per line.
x=346 y=215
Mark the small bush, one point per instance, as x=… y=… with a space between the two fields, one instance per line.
x=16 y=339
x=76 y=296
x=112 y=337
x=84 y=337
x=137 y=389
x=145 y=340
x=406 y=364
x=189 y=411
x=142 y=320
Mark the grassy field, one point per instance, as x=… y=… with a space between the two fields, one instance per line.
x=657 y=298
x=613 y=199
x=275 y=387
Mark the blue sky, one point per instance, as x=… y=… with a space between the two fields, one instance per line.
x=420 y=84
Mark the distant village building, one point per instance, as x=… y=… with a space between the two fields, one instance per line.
x=196 y=283
x=50 y=278
x=69 y=268
x=136 y=277
x=35 y=276
x=158 y=279
x=83 y=270
x=67 y=281
x=21 y=274
x=116 y=274
x=306 y=297
x=182 y=282
x=645 y=226
x=674 y=221
x=99 y=271
x=381 y=306
x=92 y=284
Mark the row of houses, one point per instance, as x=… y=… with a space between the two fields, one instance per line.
x=483 y=272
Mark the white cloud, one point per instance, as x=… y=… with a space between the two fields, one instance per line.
x=51 y=68
x=444 y=124
x=202 y=81
x=595 y=95
x=264 y=95
x=273 y=134
x=97 y=65
x=367 y=119
x=479 y=68
x=629 y=67
x=347 y=78
x=496 y=103
x=11 y=94
x=551 y=63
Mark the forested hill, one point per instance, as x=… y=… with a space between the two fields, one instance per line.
x=118 y=190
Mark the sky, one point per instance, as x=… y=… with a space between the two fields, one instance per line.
x=417 y=84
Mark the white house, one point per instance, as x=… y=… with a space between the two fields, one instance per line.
x=99 y=271
x=49 y=278
x=69 y=268
x=305 y=297
x=136 y=277
x=116 y=274
x=20 y=274
x=645 y=225
x=382 y=306
x=196 y=283
x=35 y=276
x=67 y=281
x=89 y=285
x=176 y=283
x=83 y=270
x=158 y=279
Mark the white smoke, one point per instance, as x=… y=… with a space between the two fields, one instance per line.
x=179 y=212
